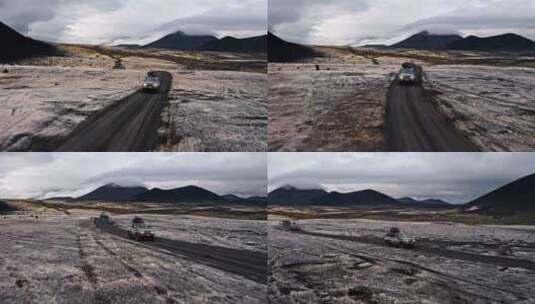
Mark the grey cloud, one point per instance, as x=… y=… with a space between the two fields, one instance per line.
x=21 y=14
x=456 y=177
x=296 y=20
x=57 y=174
x=108 y=21
x=343 y=22
x=251 y=16
x=498 y=16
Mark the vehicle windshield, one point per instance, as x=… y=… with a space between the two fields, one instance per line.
x=152 y=79
x=407 y=71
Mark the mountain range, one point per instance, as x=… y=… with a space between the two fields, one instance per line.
x=189 y=194
x=517 y=197
x=292 y=196
x=5 y=208
x=184 y=42
x=181 y=41
x=428 y=41
x=283 y=51
x=256 y=44
x=426 y=202
x=17 y=47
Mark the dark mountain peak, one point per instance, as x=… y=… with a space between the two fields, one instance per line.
x=190 y=194
x=366 y=197
x=408 y=200
x=229 y=38
x=5 y=30
x=423 y=203
x=251 y=201
x=513 y=198
x=190 y=188
x=280 y=50
x=181 y=41
x=256 y=44
x=436 y=202
x=511 y=35
x=112 y=185
x=16 y=46
x=6 y=208
x=288 y=187
x=370 y=191
x=504 y=42
x=293 y=195
x=112 y=192
x=426 y=40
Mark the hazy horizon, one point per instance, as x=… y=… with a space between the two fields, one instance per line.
x=45 y=175
x=360 y=22
x=132 y=22
x=454 y=177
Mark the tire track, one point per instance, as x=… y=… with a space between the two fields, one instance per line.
x=129 y=125
x=415 y=124
x=428 y=248
x=249 y=264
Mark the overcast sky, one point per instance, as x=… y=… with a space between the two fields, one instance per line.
x=454 y=177
x=358 y=22
x=132 y=21
x=39 y=175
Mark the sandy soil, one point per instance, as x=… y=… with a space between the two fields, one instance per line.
x=309 y=269
x=494 y=106
x=218 y=102
x=39 y=103
x=64 y=259
x=339 y=109
x=217 y=111
x=488 y=97
x=249 y=235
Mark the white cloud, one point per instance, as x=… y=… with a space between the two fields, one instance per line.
x=35 y=175
x=456 y=177
x=130 y=21
x=388 y=21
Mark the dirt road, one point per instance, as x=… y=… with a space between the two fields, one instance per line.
x=249 y=264
x=435 y=248
x=414 y=124
x=130 y=125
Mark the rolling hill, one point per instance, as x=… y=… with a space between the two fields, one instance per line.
x=235 y=45
x=506 y=42
x=5 y=208
x=181 y=41
x=191 y=194
x=514 y=198
x=283 y=51
x=293 y=195
x=364 y=198
x=427 y=41
x=17 y=47
x=113 y=193
x=424 y=203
